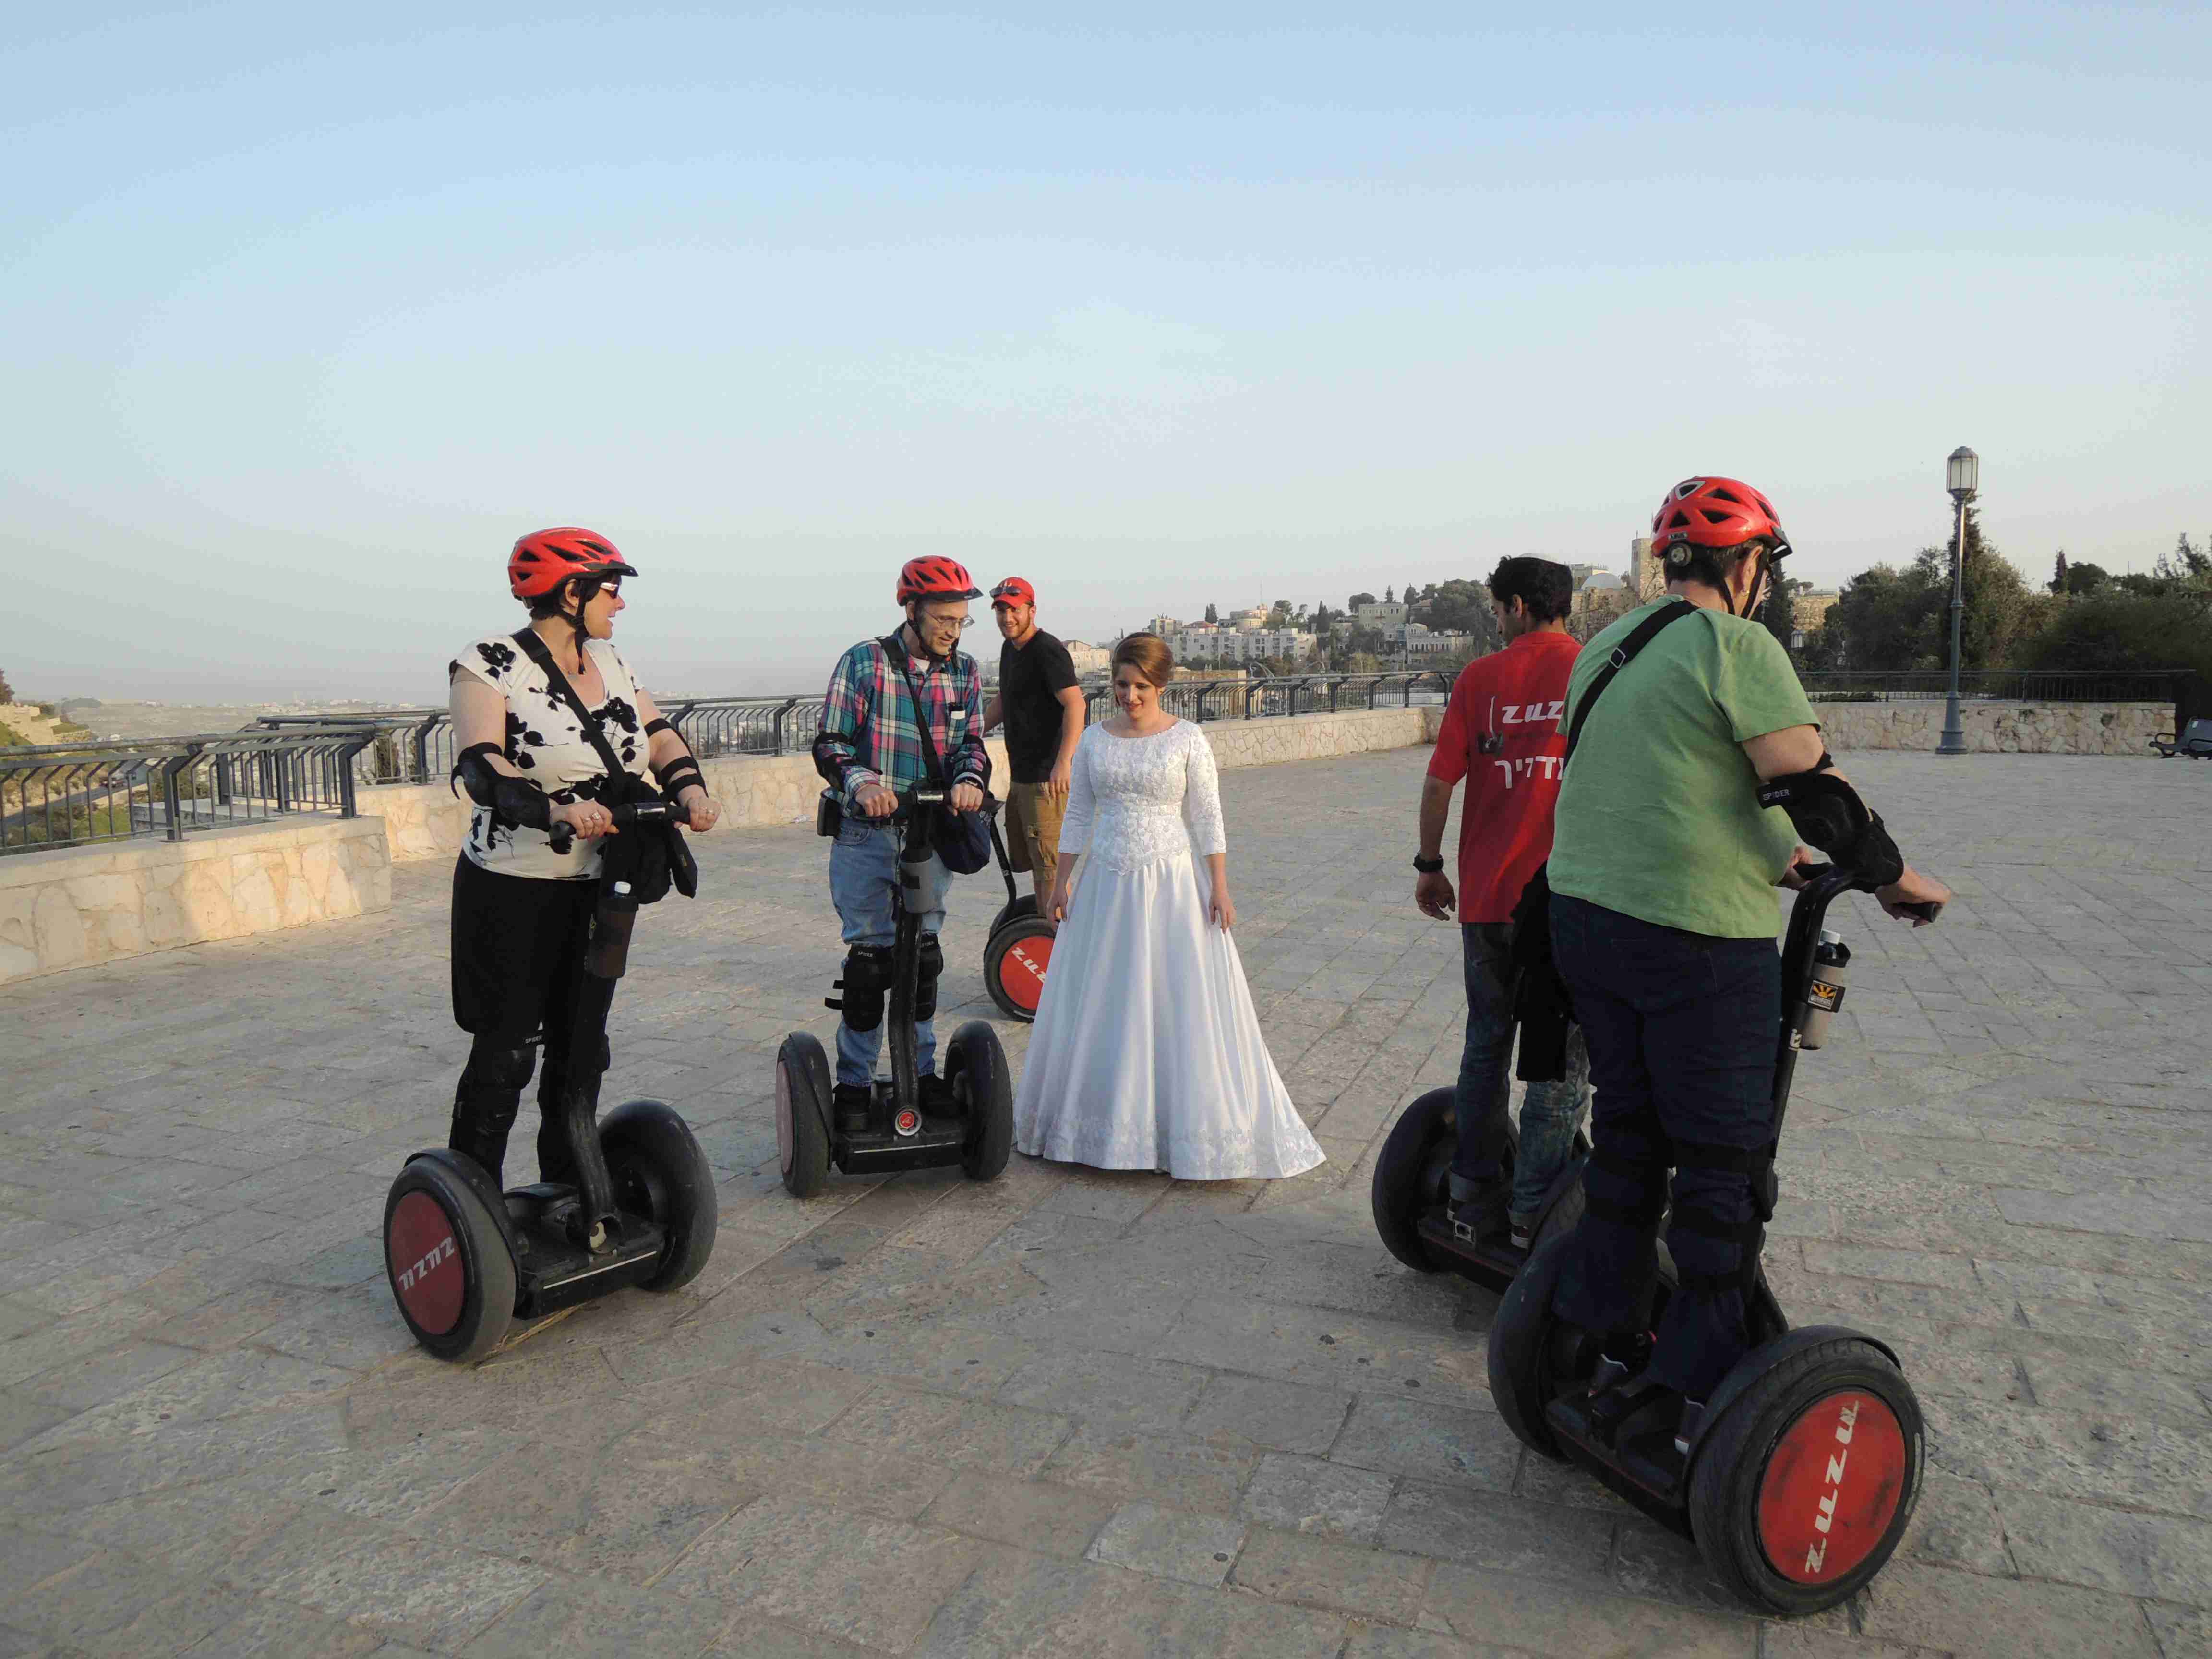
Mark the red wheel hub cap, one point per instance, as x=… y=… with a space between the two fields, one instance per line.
x=1021 y=969
x=425 y=1259
x=1832 y=1487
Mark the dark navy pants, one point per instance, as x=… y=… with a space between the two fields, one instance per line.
x=1682 y=1029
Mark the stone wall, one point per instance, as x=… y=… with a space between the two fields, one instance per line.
x=427 y=821
x=2008 y=728
x=80 y=906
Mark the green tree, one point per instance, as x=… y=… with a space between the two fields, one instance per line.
x=1211 y=615
x=2082 y=579
x=7 y=691
x=1280 y=615
x=1358 y=599
x=1459 y=606
x=1889 y=619
x=2058 y=572
x=2118 y=631
x=1779 y=612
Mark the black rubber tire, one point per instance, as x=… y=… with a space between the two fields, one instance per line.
x=802 y=1114
x=1526 y=1339
x=487 y=1304
x=1409 y=1176
x=976 y=1066
x=1732 y=1461
x=1026 y=905
x=660 y=1172
x=1003 y=941
x=1562 y=1204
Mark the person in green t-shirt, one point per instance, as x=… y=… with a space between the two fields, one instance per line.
x=1663 y=873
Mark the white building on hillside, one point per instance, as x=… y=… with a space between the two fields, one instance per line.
x=1386 y=615
x=1202 y=646
x=1088 y=659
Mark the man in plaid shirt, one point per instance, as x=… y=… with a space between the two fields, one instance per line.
x=871 y=747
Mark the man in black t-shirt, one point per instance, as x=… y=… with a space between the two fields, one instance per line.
x=1043 y=711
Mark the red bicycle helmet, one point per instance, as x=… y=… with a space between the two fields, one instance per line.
x=544 y=559
x=932 y=578
x=1714 y=513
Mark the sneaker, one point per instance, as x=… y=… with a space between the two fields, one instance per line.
x=1621 y=1360
x=851 y=1102
x=1524 y=1224
x=937 y=1096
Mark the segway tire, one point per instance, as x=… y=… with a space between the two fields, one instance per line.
x=660 y=1172
x=1525 y=1356
x=976 y=1066
x=448 y=1263
x=1410 y=1175
x=1014 y=910
x=1832 y=1434
x=802 y=1114
x=1015 y=962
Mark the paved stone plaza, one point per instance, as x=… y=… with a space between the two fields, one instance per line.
x=1070 y=1413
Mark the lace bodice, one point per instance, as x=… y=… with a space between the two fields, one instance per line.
x=1135 y=801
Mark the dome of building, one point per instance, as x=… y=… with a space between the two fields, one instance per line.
x=1601 y=580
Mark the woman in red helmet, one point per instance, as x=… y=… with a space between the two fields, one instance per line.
x=1662 y=872
x=883 y=695
x=521 y=908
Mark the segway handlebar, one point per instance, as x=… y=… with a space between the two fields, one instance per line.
x=1824 y=882
x=629 y=814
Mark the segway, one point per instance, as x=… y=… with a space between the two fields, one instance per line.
x=1020 y=949
x=466 y=1260
x=1410 y=1194
x=1800 y=1476
x=899 y=1132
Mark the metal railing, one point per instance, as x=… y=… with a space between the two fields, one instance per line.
x=1997 y=685
x=75 y=794
x=1205 y=701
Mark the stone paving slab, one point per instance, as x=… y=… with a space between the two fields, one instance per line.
x=1075 y=1411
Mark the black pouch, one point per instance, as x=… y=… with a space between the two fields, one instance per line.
x=829 y=814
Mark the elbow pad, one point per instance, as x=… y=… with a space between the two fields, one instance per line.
x=1828 y=813
x=828 y=762
x=511 y=799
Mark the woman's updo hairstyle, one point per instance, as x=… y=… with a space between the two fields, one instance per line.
x=1149 y=655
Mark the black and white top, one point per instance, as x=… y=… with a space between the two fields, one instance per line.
x=546 y=744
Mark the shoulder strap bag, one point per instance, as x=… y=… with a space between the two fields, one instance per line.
x=962 y=840
x=648 y=861
x=1540 y=999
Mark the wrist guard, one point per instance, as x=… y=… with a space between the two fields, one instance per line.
x=511 y=801
x=679 y=773
x=1828 y=813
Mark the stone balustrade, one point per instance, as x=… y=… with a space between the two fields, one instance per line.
x=78 y=907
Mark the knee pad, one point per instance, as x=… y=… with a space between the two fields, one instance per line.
x=925 y=980
x=1625 y=1180
x=867 y=977
x=494 y=1067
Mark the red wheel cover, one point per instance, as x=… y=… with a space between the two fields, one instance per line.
x=1832 y=1487
x=425 y=1258
x=1022 y=967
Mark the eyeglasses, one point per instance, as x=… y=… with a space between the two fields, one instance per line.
x=948 y=624
x=611 y=589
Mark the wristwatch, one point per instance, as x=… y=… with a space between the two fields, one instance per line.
x=1427 y=866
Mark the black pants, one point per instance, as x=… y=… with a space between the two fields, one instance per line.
x=1682 y=1031
x=518 y=946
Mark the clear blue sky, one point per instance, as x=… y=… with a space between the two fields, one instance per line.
x=310 y=312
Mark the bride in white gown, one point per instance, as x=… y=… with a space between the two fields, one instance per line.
x=1146 y=1053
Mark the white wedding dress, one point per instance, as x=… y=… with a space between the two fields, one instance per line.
x=1146 y=1053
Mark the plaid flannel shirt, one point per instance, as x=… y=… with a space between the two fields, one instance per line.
x=868 y=732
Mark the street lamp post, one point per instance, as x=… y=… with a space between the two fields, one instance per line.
x=1961 y=476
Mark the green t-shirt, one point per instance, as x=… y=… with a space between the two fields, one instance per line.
x=1658 y=813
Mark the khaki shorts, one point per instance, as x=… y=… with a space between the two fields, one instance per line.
x=1033 y=831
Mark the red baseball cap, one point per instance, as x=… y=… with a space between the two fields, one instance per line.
x=1012 y=590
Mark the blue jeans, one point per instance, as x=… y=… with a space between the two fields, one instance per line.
x=863 y=880
x=1682 y=1031
x=1482 y=1098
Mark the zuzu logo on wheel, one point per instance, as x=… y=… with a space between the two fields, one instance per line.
x=1832 y=1487
x=426 y=1263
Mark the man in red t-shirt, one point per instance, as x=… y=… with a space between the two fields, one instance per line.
x=1501 y=733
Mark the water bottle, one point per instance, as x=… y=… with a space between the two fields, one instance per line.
x=612 y=921
x=1832 y=961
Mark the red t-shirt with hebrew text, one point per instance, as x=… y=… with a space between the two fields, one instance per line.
x=1513 y=698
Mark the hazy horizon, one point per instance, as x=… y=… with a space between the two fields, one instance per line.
x=312 y=313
